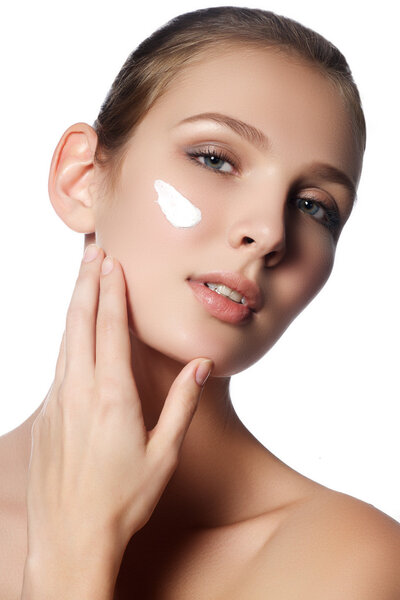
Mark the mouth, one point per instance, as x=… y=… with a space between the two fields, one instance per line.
x=226 y=291
x=233 y=285
x=227 y=295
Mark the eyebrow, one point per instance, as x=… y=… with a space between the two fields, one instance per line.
x=334 y=175
x=257 y=138
x=246 y=131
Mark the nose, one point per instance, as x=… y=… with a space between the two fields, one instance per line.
x=261 y=231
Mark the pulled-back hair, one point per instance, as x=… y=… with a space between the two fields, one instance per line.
x=152 y=66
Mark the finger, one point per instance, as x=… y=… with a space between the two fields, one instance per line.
x=60 y=366
x=59 y=374
x=177 y=414
x=113 y=345
x=46 y=401
x=81 y=321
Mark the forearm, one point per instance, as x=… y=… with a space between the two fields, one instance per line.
x=89 y=575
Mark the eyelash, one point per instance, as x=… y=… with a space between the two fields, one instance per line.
x=207 y=153
x=332 y=222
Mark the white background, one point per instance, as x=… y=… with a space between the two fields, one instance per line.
x=325 y=399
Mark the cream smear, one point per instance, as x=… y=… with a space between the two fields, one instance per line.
x=179 y=211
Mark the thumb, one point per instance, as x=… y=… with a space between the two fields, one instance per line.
x=179 y=407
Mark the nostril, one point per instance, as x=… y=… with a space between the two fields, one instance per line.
x=248 y=240
x=271 y=258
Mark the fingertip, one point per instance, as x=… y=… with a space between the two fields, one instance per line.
x=107 y=265
x=91 y=252
x=203 y=371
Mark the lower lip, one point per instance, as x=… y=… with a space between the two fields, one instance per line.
x=219 y=306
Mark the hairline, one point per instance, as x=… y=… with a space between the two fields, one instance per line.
x=231 y=42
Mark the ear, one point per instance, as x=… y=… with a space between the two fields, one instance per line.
x=71 y=178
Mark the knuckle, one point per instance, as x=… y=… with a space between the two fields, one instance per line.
x=77 y=314
x=106 y=324
x=73 y=392
x=108 y=389
x=85 y=272
x=110 y=291
x=66 y=391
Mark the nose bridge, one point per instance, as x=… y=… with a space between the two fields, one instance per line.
x=261 y=222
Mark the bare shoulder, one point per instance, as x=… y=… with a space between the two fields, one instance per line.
x=353 y=519
x=354 y=525
x=330 y=546
x=349 y=547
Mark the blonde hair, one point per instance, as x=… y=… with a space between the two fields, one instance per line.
x=151 y=68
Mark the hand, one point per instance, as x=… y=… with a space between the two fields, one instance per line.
x=94 y=469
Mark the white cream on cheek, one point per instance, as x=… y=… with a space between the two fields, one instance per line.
x=179 y=211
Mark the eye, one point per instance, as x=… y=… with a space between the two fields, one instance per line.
x=320 y=211
x=213 y=159
x=310 y=206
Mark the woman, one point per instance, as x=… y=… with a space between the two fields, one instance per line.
x=228 y=150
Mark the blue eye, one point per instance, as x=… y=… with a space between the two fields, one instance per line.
x=321 y=212
x=213 y=160
x=310 y=206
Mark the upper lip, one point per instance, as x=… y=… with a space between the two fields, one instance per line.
x=249 y=289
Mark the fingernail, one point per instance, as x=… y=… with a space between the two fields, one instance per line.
x=91 y=252
x=107 y=265
x=203 y=371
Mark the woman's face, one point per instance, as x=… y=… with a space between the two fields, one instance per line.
x=271 y=209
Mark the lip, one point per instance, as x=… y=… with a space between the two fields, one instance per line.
x=249 y=289
x=222 y=307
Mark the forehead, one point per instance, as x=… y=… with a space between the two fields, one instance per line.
x=299 y=110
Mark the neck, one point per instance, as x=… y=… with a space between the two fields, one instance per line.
x=194 y=492
x=208 y=486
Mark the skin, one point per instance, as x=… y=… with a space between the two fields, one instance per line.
x=226 y=483
x=299 y=252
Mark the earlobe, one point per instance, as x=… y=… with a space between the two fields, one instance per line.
x=71 y=178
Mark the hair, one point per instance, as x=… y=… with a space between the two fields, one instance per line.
x=151 y=68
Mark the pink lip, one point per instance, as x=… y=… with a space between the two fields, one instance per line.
x=249 y=289
x=222 y=307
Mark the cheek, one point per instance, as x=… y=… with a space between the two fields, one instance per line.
x=178 y=210
x=305 y=272
x=288 y=291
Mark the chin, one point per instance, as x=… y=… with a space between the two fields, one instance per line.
x=229 y=359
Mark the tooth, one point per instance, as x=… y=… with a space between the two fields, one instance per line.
x=235 y=296
x=224 y=290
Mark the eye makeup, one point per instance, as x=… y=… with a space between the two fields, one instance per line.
x=209 y=153
x=321 y=211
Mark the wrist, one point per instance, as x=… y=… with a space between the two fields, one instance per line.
x=72 y=573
